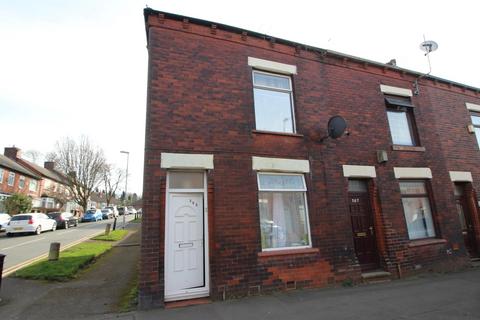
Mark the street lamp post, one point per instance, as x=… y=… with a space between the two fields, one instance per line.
x=125 y=210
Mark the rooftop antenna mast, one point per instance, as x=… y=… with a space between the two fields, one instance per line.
x=426 y=46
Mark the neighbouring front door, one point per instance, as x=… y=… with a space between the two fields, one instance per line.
x=465 y=217
x=184 y=256
x=362 y=224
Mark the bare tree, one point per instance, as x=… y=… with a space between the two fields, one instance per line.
x=83 y=165
x=51 y=156
x=111 y=178
x=59 y=194
x=33 y=155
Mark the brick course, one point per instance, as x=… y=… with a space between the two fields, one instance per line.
x=200 y=100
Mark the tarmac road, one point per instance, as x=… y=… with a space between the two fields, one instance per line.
x=21 y=249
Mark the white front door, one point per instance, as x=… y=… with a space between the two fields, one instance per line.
x=184 y=247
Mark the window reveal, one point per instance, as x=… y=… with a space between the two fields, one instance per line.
x=283 y=211
x=476 y=125
x=401 y=122
x=417 y=210
x=11 y=178
x=272 y=95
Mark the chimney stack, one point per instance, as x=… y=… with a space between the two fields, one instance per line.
x=12 y=152
x=50 y=165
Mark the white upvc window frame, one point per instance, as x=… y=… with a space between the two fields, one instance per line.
x=30 y=185
x=2 y=172
x=475 y=114
x=304 y=190
x=12 y=175
x=21 y=182
x=289 y=91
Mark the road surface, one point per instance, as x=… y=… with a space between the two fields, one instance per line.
x=21 y=249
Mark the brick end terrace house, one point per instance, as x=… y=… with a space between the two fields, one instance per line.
x=53 y=194
x=16 y=179
x=242 y=197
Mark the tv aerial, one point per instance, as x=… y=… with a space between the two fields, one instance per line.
x=426 y=46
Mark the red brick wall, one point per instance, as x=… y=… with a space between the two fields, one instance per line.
x=200 y=100
x=5 y=188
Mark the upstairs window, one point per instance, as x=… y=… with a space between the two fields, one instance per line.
x=1 y=175
x=417 y=209
x=283 y=211
x=11 y=178
x=33 y=185
x=476 y=124
x=273 y=102
x=401 y=121
x=21 y=182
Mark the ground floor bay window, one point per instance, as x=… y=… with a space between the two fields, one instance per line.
x=417 y=209
x=283 y=211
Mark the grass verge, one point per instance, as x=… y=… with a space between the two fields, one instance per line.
x=114 y=235
x=137 y=220
x=68 y=265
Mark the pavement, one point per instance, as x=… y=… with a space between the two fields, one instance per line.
x=95 y=295
x=97 y=291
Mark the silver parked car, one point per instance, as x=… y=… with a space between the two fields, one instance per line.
x=114 y=209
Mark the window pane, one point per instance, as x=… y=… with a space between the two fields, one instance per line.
x=399 y=128
x=268 y=80
x=11 y=178
x=477 y=133
x=283 y=219
x=419 y=218
x=458 y=191
x=33 y=185
x=186 y=180
x=273 y=110
x=357 y=186
x=279 y=182
x=476 y=120
x=413 y=187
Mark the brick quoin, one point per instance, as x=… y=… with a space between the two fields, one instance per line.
x=200 y=100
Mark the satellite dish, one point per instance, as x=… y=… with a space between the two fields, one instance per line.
x=336 y=127
x=428 y=46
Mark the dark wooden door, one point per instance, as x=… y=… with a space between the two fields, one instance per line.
x=465 y=217
x=362 y=225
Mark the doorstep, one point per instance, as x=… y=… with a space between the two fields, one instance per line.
x=186 y=303
x=376 y=276
x=475 y=262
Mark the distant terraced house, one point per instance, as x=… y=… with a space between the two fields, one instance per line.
x=15 y=178
x=47 y=186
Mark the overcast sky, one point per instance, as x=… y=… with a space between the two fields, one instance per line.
x=69 y=68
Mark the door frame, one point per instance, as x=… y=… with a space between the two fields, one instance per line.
x=372 y=213
x=469 y=209
x=196 y=292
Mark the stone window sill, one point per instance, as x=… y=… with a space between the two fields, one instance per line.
x=397 y=147
x=426 y=242
x=295 y=135
x=287 y=252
